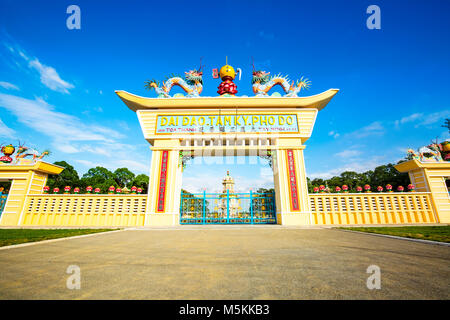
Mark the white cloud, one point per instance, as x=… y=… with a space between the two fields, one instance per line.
x=434 y=117
x=357 y=166
x=97 y=150
x=62 y=128
x=348 y=154
x=6 y=132
x=67 y=148
x=48 y=75
x=8 y=86
x=87 y=163
x=373 y=129
x=134 y=166
x=413 y=117
x=421 y=119
x=50 y=78
x=333 y=134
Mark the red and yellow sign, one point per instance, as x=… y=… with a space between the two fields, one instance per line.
x=292 y=180
x=162 y=181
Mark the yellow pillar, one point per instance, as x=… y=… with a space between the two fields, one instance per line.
x=27 y=178
x=291 y=189
x=163 y=202
x=431 y=177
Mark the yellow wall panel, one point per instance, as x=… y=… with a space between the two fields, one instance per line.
x=341 y=209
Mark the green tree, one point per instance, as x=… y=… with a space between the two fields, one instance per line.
x=123 y=176
x=350 y=178
x=141 y=181
x=68 y=177
x=98 y=177
x=264 y=190
x=99 y=173
x=380 y=176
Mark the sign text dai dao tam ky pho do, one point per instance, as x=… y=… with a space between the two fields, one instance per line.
x=227 y=123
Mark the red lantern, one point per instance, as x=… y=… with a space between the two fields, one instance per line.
x=338 y=189
x=88 y=189
x=139 y=190
x=388 y=188
x=133 y=189
x=55 y=190
x=367 y=188
x=97 y=190
x=111 y=189
x=345 y=188
x=322 y=188
x=76 y=190
x=358 y=189
x=67 y=189
x=400 y=188
x=46 y=189
x=118 y=190
x=411 y=187
x=380 y=189
x=316 y=189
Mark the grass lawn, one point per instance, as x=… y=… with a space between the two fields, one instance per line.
x=15 y=236
x=434 y=233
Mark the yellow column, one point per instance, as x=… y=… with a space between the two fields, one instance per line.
x=291 y=190
x=163 y=202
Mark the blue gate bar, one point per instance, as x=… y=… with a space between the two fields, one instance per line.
x=204 y=206
x=251 y=207
x=228 y=206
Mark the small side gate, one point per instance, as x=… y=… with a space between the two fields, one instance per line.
x=227 y=208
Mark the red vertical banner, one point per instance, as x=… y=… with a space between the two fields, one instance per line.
x=162 y=181
x=293 y=195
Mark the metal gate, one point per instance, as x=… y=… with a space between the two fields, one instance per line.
x=227 y=208
x=3 y=198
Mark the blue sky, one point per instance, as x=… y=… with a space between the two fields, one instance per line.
x=57 y=85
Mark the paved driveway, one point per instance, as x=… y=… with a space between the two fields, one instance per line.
x=227 y=263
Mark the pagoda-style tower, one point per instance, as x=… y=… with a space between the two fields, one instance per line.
x=228 y=184
x=228 y=198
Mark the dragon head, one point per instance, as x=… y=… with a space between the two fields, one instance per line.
x=260 y=76
x=194 y=77
x=303 y=83
x=149 y=84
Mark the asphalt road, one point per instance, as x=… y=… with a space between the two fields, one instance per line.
x=227 y=263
